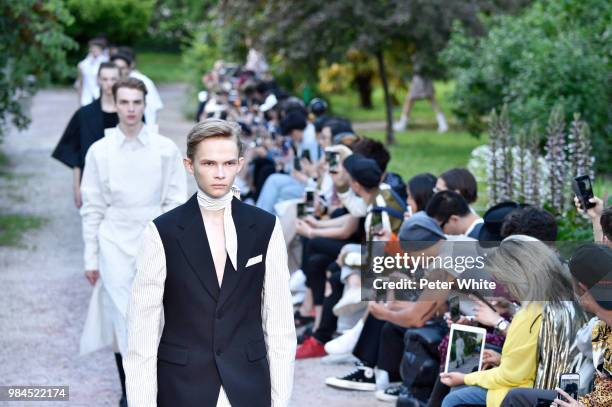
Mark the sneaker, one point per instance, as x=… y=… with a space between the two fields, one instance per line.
x=346 y=342
x=298 y=297
x=310 y=348
x=297 y=281
x=362 y=378
x=390 y=394
x=400 y=125
x=350 y=302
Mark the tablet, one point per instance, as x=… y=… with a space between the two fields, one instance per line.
x=465 y=347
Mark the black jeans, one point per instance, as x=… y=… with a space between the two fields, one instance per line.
x=319 y=253
x=329 y=321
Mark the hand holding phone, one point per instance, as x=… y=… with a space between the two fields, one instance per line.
x=584 y=191
x=569 y=383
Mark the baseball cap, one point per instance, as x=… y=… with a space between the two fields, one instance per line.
x=363 y=170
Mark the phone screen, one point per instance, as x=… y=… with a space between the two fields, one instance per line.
x=296 y=164
x=301 y=209
x=332 y=160
x=584 y=190
x=569 y=383
x=376 y=223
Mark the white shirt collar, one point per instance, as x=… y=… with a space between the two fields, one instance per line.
x=143 y=136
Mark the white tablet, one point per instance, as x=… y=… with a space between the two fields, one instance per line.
x=465 y=347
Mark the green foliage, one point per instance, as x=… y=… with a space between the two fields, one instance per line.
x=557 y=51
x=161 y=67
x=33 y=48
x=175 y=21
x=212 y=40
x=121 y=21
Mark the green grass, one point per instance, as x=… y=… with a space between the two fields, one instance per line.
x=161 y=67
x=346 y=105
x=12 y=228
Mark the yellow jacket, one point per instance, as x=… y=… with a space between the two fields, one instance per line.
x=518 y=360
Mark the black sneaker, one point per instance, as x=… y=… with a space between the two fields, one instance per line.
x=362 y=378
x=390 y=394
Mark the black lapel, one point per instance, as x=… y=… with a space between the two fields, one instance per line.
x=246 y=232
x=194 y=243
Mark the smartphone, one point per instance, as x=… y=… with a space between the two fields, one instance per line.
x=453 y=307
x=569 y=383
x=296 y=164
x=332 y=159
x=309 y=201
x=376 y=224
x=584 y=191
x=301 y=209
x=306 y=155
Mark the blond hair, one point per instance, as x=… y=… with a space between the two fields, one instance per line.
x=213 y=128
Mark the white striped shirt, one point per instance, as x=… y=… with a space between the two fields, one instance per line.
x=145 y=322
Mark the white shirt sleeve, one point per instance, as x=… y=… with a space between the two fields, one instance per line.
x=353 y=203
x=176 y=193
x=92 y=211
x=145 y=321
x=277 y=318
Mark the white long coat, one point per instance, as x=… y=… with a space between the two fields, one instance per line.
x=126 y=184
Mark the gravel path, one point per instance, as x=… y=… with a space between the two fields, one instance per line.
x=44 y=296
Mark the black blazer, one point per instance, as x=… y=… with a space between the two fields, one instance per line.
x=85 y=128
x=213 y=335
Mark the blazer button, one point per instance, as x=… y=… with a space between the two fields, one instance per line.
x=219 y=352
x=219 y=315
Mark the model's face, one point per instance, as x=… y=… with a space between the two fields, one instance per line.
x=130 y=105
x=124 y=68
x=106 y=79
x=95 y=51
x=215 y=165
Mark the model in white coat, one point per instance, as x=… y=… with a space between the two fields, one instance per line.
x=132 y=175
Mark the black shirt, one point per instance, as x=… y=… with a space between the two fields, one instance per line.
x=110 y=119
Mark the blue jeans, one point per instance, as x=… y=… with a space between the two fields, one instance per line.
x=278 y=187
x=474 y=395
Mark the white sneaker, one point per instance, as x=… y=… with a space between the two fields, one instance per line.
x=298 y=297
x=346 y=342
x=401 y=124
x=297 y=281
x=442 y=125
x=350 y=302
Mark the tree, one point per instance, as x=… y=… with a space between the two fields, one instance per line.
x=32 y=49
x=121 y=21
x=306 y=33
x=556 y=52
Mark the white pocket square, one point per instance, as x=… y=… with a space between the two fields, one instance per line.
x=253 y=260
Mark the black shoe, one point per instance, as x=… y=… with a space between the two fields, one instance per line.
x=407 y=399
x=362 y=378
x=390 y=394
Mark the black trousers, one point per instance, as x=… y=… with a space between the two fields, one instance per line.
x=329 y=321
x=381 y=344
x=319 y=253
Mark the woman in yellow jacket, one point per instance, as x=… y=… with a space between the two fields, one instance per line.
x=531 y=273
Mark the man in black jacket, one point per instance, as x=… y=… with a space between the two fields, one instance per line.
x=87 y=126
x=210 y=320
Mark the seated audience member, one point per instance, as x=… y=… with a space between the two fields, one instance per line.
x=461 y=181
x=279 y=187
x=419 y=191
x=453 y=214
x=531 y=273
x=589 y=264
x=381 y=342
x=493 y=219
x=324 y=240
x=365 y=181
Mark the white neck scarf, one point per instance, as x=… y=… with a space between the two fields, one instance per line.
x=225 y=202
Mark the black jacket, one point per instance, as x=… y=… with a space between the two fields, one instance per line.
x=85 y=128
x=213 y=335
